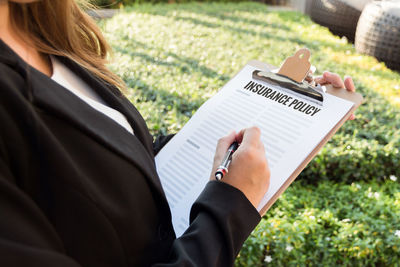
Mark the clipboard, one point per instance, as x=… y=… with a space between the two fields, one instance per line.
x=295 y=71
x=193 y=147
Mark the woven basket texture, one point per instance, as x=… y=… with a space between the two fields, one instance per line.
x=378 y=33
x=337 y=15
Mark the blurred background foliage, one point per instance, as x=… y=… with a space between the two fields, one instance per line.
x=344 y=207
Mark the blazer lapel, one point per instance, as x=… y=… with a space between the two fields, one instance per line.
x=113 y=97
x=50 y=96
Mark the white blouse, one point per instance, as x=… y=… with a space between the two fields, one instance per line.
x=69 y=80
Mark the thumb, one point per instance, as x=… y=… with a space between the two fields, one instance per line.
x=223 y=144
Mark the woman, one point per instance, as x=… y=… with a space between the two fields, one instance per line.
x=78 y=184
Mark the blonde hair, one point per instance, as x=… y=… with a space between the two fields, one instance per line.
x=60 y=27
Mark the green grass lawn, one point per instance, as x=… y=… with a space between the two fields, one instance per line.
x=344 y=209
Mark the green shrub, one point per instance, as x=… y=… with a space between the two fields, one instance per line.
x=174 y=57
x=329 y=225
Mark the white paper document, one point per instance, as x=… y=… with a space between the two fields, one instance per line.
x=291 y=127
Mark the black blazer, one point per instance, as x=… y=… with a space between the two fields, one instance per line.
x=76 y=189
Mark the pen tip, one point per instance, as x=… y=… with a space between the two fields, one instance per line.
x=218 y=176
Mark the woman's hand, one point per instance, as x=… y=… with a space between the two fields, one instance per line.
x=249 y=171
x=334 y=79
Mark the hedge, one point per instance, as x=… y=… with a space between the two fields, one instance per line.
x=174 y=57
x=329 y=225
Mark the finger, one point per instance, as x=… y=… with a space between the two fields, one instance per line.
x=349 y=84
x=251 y=136
x=320 y=80
x=224 y=143
x=222 y=146
x=333 y=79
x=308 y=78
x=239 y=136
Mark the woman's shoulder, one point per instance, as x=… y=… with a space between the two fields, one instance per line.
x=10 y=75
x=7 y=67
x=15 y=102
x=9 y=63
x=13 y=87
x=13 y=72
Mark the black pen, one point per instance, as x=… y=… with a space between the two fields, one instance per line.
x=223 y=167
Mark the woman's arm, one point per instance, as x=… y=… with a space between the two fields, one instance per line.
x=225 y=213
x=220 y=221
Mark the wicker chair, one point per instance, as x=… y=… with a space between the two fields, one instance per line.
x=340 y=17
x=378 y=32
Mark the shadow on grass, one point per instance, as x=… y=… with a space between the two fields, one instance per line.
x=185 y=104
x=314 y=45
x=223 y=14
x=185 y=64
x=251 y=22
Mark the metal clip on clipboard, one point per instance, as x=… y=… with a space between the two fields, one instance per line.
x=291 y=76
